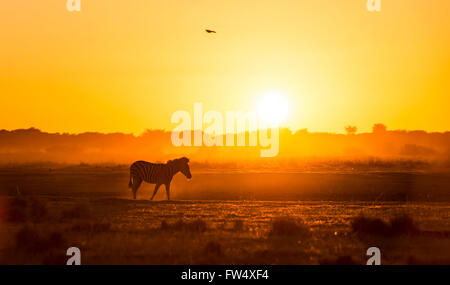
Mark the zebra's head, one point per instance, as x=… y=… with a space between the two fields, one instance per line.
x=183 y=166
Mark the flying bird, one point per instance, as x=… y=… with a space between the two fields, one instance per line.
x=210 y=31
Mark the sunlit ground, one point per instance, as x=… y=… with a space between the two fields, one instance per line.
x=121 y=231
x=222 y=218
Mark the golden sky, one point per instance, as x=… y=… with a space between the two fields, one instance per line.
x=127 y=65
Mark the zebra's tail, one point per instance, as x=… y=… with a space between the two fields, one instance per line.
x=130 y=183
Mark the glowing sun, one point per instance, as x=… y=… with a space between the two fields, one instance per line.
x=272 y=109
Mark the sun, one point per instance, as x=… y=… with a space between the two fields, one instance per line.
x=272 y=109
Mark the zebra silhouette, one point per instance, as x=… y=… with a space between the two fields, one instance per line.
x=157 y=173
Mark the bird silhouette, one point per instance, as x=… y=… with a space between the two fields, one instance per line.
x=210 y=31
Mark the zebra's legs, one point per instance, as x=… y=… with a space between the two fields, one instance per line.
x=156 y=190
x=136 y=183
x=168 y=191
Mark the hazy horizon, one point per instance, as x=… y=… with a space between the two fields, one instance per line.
x=33 y=145
x=138 y=134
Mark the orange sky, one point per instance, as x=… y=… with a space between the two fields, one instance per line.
x=127 y=65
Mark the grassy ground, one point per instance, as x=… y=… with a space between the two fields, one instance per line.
x=93 y=182
x=223 y=218
x=39 y=229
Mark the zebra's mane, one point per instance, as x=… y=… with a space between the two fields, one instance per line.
x=181 y=159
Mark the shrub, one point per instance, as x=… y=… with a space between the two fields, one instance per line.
x=20 y=210
x=403 y=225
x=370 y=226
x=289 y=227
x=374 y=226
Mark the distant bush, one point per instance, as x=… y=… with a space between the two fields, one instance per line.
x=351 y=130
x=370 y=226
x=403 y=225
x=289 y=227
x=195 y=226
x=374 y=226
x=379 y=128
x=21 y=210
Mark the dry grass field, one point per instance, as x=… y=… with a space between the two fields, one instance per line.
x=233 y=218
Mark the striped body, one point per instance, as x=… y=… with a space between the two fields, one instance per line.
x=157 y=173
x=151 y=172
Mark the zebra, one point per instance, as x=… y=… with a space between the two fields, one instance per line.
x=157 y=173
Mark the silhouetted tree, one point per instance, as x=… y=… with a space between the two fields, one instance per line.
x=379 y=128
x=351 y=130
